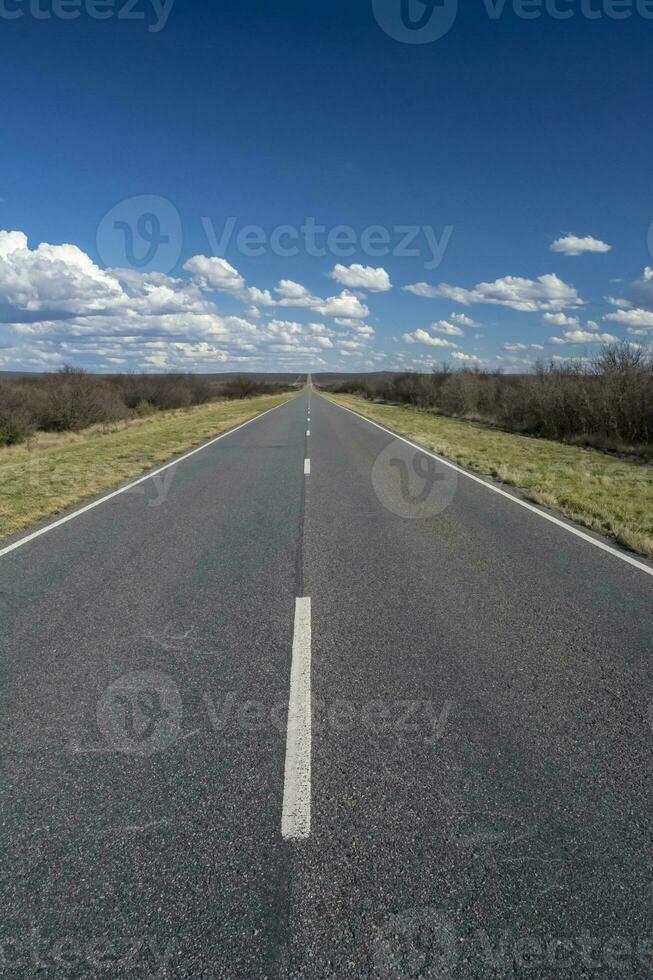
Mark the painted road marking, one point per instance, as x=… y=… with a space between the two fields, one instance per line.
x=308 y=432
x=307 y=466
x=129 y=486
x=516 y=500
x=296 y=813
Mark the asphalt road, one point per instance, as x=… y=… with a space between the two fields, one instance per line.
x=460 y=789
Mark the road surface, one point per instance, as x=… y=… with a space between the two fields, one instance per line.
x=459 y=789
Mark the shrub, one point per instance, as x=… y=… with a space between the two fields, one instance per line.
x=607 y=403
x=73 y=399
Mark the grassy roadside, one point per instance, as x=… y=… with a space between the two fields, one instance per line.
x=56 y=472
x=606 y=494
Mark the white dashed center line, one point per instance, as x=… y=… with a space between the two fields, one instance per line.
x=296 y=813
x=307 y=467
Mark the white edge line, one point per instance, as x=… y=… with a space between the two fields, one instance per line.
x=296 y=810
x=516 y=500
x=307 y=467
x=129 y=486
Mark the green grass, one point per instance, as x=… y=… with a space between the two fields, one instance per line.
x=604 y=493
x=56 y=472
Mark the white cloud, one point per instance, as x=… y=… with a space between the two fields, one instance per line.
x=632 y=318
x=619 y=302
x=464 y=321
x=573 y=245
x=422 y=337
x=583 y=337
x=527 y=295
x=290 y=290
x=459 y=356
x=362 y=277
x=56 y=305
x=443 y=326
x=215 y=273
x=561 y=320
x=517 y=347
x=12 y=241
x=51 y=278
x=345 y=305
x=292 y=294
x=648 y=274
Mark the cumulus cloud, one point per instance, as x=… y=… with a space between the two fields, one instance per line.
x=52 y=279
x=633 y=319
x=526 y=295
x=573 y=245
x=619 y=302
x=362 y=277
x=459 y=356
x=443 y=326
x=583 y=337
x=463 y=320
x=561 y=320
x=57 y=305
x=518 y=347
x=422 y=337
x=215 y=273
x=12 y=241
x=292 y=294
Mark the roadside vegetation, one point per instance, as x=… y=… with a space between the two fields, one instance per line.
x=72 y=400
x=608 y=492
x=55 y=470
x=605 y=403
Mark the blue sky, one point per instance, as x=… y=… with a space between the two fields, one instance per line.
x=147 y=142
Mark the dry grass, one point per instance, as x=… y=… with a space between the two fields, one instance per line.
x=56 y=471
x=609 y=495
